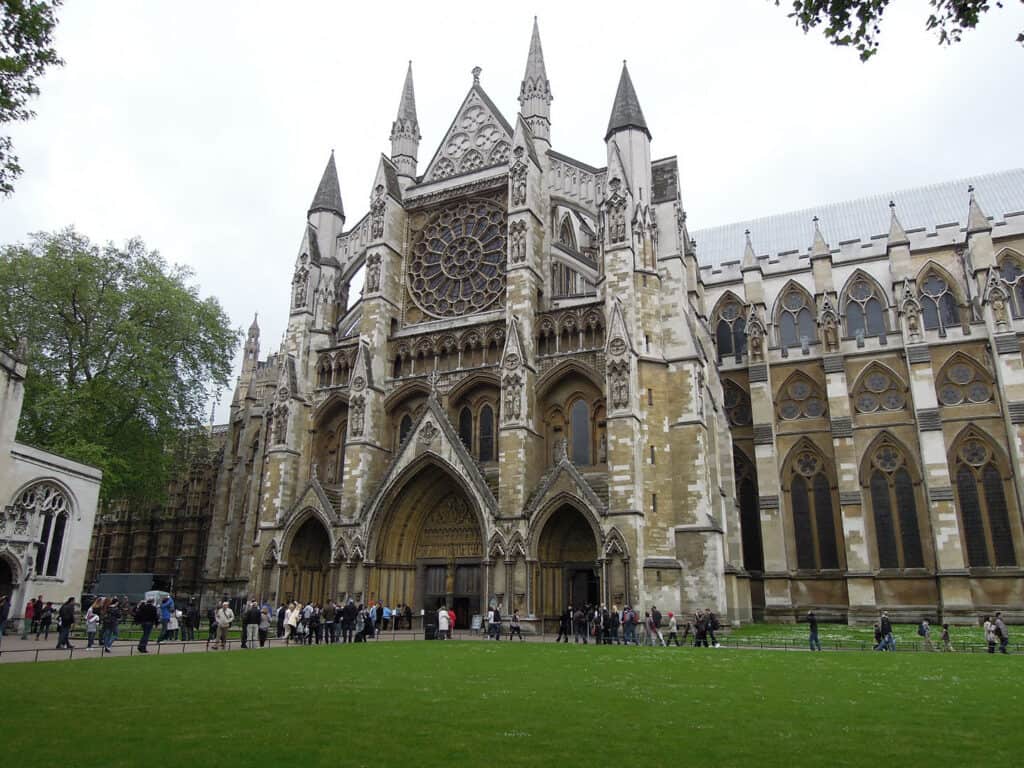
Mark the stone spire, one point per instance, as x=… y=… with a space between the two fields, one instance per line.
x=405 y=131
x=626 y=112
x=897 y=235
x=819 y=248
x=749 y=257
x=328 y=194
x=977 y=221
x=252 y=346
x=535 y=91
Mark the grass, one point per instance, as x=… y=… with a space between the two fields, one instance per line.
x=844 y=636
x=423 y=703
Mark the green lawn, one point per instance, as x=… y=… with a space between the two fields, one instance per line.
x=846 y=637
x=432 y=703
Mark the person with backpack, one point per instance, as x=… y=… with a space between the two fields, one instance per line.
x=166 y=611
x=712 y=626
x=629 y=625
x=65 y=621
x=565 y=625
x=812 y=626
x=45 y=620
x=147 y=616
x=924 y=631
x=514 y=628
x=1001 y=634
x=111 y=620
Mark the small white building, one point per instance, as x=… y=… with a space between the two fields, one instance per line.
x=49 y=506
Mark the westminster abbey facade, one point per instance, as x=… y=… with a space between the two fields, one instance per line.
x=550 y=391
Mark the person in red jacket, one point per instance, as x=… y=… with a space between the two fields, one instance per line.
x=451 y=622
x=26 y=625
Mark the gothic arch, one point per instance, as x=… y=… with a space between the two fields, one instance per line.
x=729 y=295
x=496 y=547
x=855 y=305
x=562 y=370
x=553 y=505
x=335 y=399
x=814 y=527
x=878 y=366
x=795 y=315
x=933 y=267
x=800 y=396
x=379 y=512
x=615 y=544
x=74 y=508
x=339 y=553
x=1011 y=270
x=474 y=380
x=407 y=391
x=14 y=563
x=292 y=527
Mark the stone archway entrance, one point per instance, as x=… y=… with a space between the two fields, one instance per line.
x=430 y=549
x=570 y=573
x=7 y=583
x=305 y=577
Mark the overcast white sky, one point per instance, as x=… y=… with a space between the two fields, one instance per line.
x=204 y=127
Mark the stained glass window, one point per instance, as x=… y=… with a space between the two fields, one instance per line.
x=580 y=424
x=487 y=433
x=938 y=304
x=865 y=309
x=730 y=331
x=796 y=319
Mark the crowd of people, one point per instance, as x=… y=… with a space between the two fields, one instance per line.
x=994 y=628
x=612 y=626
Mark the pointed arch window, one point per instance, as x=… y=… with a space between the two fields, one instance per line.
x=579 y=424
x=1012 y=271
x=487 y=433
x=879 y=391
x=938 y=304
x=982 y=500
x=737 y=403
x=49 y=503
x=865 y=309
x=750 y=514
x=963 y=382
x=730 y=331
x=801 y=398
x=894 y=504
x=796 y=318
x=404 y=428
x=813 y=505
x=466 y=428
x=566 y=235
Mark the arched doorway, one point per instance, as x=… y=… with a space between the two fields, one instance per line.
x=7 y=583
x=569 y=569
x=429 y=549
x=305 y=577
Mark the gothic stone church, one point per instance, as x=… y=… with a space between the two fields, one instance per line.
x=550 y=392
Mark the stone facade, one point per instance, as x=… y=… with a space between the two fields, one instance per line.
x=547 y=394
x=49 y=508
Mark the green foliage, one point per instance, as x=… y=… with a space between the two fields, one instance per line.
x=857 y=22
x=523 y=704
x=122 y=354
x=26 y=50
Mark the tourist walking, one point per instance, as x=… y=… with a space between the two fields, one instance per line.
x=111 y=619
x=673 y=633
x=291 y=623
x=224 y=618
x=579 y=623
x=888 y=641
x=28 y=619
x=443 y=622
x=497 y=623
x=281 y=613
x=65 y=621
x=147 y=617
x=989 y=628
x=653 y=633
x=1001 y=634
x=924 y=631
x=712 y=627
x=264 y=626
x=191 y=623
x=45 y=619
x=947 y=646
x=629 y=625
x=812 y=626
x=166 y=611
x=92 y=624
x=513 y=627
x=565 y=625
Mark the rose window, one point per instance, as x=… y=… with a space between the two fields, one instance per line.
x=801 y=399
x=879 y=392
x=457 y=264
x=963 y=383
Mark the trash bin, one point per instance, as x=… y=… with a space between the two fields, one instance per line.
x=429 y=631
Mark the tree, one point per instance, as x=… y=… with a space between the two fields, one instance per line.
x=857 y=22
x=26 y=50
x=122 y=354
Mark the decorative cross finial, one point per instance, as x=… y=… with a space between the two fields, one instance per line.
x=892 y=205
x=476 y=75
x=435 y=380
x=815 y=219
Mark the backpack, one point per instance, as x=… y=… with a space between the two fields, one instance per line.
x=656 y=615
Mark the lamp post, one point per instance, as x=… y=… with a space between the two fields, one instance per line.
x=177 y=570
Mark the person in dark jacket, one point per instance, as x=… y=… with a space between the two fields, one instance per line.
x=251 y=625
x=888 y=641
x=565 y=625
x=37 y=614
x=812 y=626
x=211 y=615
x=348 y=620
x=111 y=620
x=65 y=621
x=45 y=619
x=147 y=618
x=280 y=620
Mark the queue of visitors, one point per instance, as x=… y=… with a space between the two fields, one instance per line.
x=601 y=625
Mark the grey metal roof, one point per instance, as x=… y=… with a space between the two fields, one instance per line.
x=328 y=193
x=926 y=208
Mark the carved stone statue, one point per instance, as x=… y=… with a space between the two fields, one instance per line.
x=373 y=273
x=377 y=208
x=518 y=179
x=517 y=242
x=830 y=333
x=357 y=408
x=619 y=383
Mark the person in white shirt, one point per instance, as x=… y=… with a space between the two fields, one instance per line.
x=442 y=622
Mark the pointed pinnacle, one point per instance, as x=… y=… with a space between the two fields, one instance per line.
x=897 y=235
x=328 y=194
x=819 y=247
x=626 y=111
x=977 y=221
x=749 y=257
x=407 y=105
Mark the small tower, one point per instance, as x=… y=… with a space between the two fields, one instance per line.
x=252 y=347
x=535 y=91
x=405 y=134
x=628 y=129
x=326 y=212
